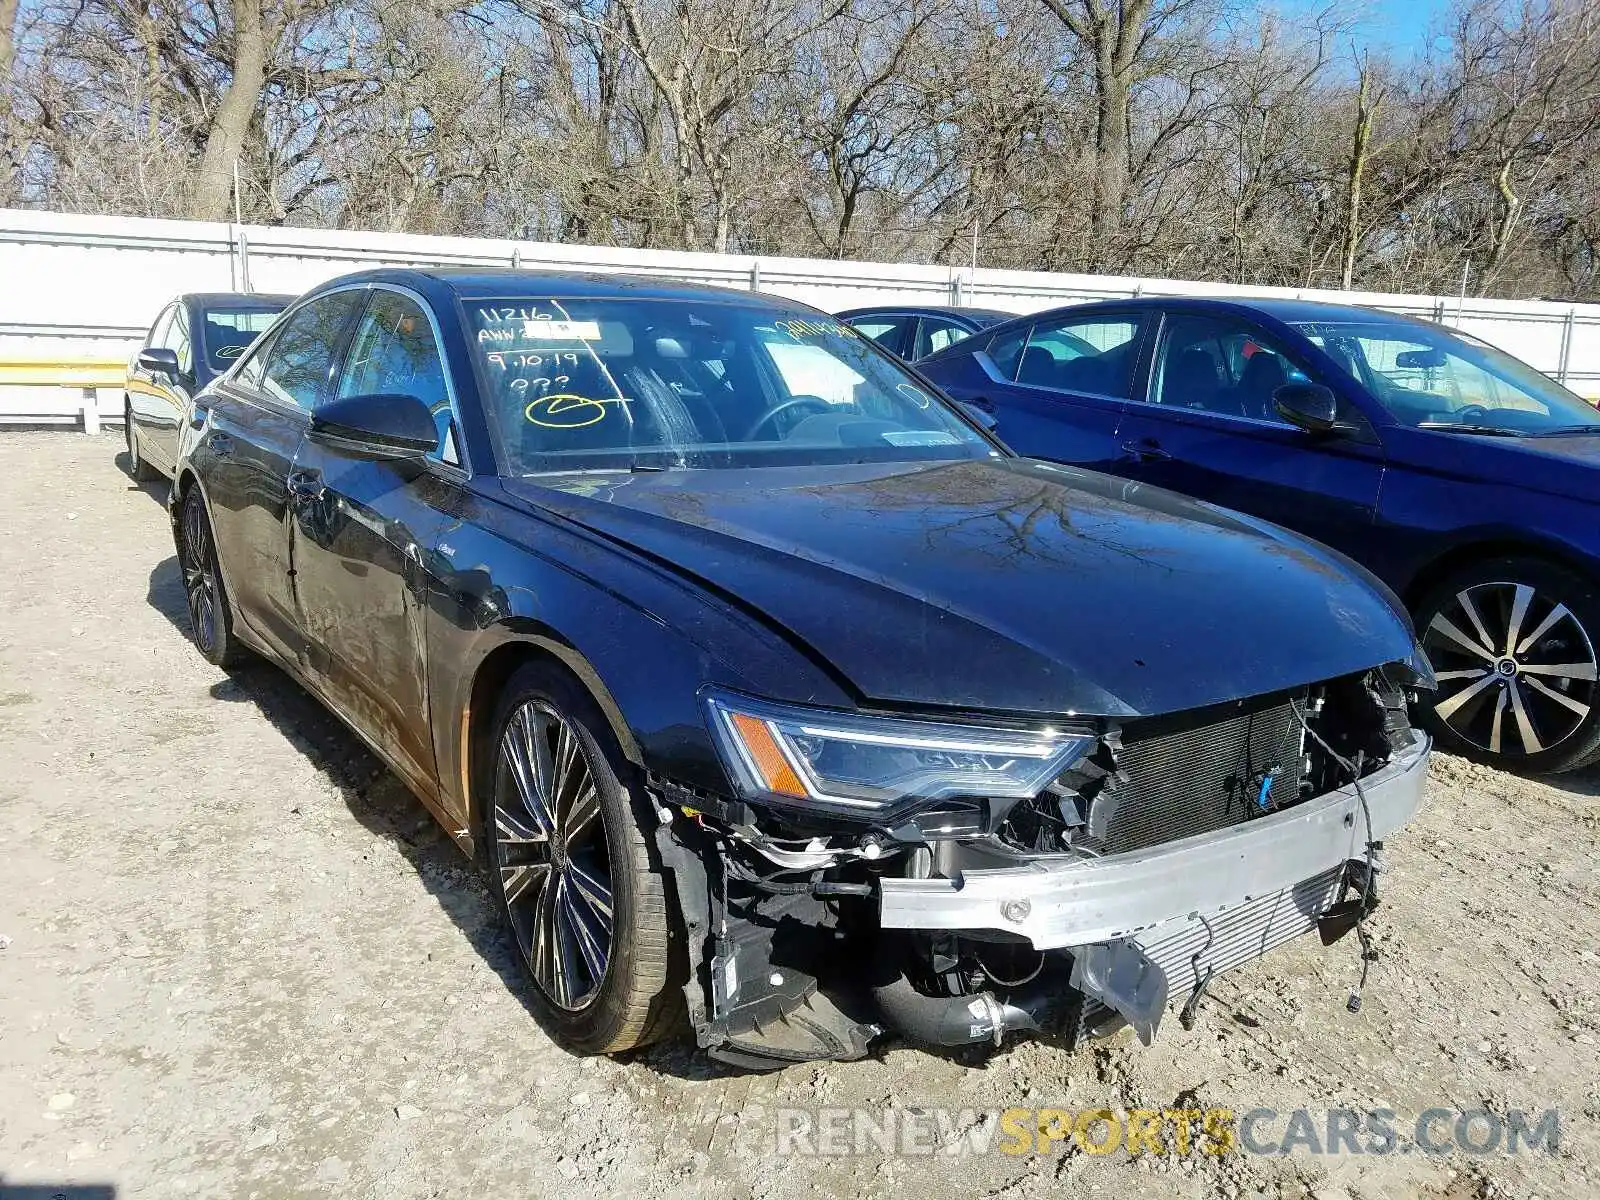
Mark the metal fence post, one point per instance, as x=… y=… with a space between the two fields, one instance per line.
x=1566 y=345
x=755 y=274
x=91 y=410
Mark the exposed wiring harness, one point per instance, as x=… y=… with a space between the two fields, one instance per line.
x=1368 y=954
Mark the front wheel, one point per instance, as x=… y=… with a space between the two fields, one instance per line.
x=573 y=871
x=1512 y=642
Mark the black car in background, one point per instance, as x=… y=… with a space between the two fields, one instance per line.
x=916 y=331
x=772 y=689
x=196 y=337
x=1461 y=477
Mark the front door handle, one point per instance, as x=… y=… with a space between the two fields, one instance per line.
x=1145 y=450
x=306 y=486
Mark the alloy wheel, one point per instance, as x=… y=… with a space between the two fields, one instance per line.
x=551 y=855
x=1516 y=668
x=199 y=574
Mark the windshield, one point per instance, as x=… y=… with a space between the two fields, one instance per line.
x=1433 y=378
x=617 y=383
x=229 y=332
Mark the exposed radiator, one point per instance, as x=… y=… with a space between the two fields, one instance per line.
x=1205 y=777
x=1228 y=939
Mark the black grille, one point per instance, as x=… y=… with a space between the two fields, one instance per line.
x=1185 y=781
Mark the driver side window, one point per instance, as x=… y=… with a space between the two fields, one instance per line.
x=394 y=351
x=1220 y=365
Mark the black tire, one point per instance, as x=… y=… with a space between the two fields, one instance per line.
x=210 y=616
x=637 y=997
x=138 y=468
x=1513 y=641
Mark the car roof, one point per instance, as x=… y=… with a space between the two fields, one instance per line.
x=932 y=310
x=1286 y=309
x=236 y=299
x=486 y=283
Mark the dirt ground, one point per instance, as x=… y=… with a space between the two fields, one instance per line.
x=238 y=960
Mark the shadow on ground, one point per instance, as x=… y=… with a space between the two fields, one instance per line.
x=387 y=809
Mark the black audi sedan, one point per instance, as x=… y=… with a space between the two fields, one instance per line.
x=768 y=687
x=195 y=338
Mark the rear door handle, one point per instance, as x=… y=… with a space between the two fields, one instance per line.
x=1145 y=450
x=306 y=485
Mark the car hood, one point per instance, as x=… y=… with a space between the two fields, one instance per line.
x=1004 y=585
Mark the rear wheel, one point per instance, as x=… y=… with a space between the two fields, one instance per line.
x=1512 y=642
x=141 y=471
x=572 y=869
x=210 y=619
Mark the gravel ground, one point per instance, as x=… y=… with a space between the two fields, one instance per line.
x=239 y=960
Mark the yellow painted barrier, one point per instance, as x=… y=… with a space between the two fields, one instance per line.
x=64 y=372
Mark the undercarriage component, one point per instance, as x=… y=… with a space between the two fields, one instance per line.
x=1123 y=978
x=961 y=1020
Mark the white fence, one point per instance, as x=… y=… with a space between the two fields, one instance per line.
x=81 y=288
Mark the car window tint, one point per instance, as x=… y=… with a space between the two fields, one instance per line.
x=1082 y=354
x=394 y=350
x=177 y=340
x=1005 y=351
x=935 y=333
x=1221 y=365
x=159 y=330
x=229 y=332
x=300 y=359
x=888 y=331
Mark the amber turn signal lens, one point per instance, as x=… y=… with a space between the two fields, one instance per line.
x=775 y=770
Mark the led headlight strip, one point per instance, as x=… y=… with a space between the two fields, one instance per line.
x=861 y=765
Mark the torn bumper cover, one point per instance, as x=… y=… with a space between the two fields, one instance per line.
x=1058 y=902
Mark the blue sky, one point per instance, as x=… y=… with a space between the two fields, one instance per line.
x=1399 y=26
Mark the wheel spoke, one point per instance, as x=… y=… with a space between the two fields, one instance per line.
x=1451 y=630
x=1544 y=627
x=519 y=880
x=1560 y=670
x=1499 y=720
x=1566 y=701
x=520 y=841
x=570 y=773
x=593 y=892
x=1464 y=598
x=581 y=816
x=518 y=749
x=1448 y=708
x=584 y=939
x=1519 y=613
x=1469 y=673
x=1530 y=739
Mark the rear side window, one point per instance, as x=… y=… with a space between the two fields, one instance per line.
x=300 y=361
x=1092 y=354
x=1005 y=351
x=887 y=330
x=230 y=331
x=936 y=333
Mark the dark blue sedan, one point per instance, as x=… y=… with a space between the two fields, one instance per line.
x=1462 y=477
x=918 y=330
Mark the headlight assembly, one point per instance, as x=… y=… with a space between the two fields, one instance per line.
x=861 y=766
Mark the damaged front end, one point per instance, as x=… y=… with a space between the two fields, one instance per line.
x=951 y=882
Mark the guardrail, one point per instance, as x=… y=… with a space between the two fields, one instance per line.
x=86 y=392
x=93 y=284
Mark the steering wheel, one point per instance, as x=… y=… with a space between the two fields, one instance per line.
x=1471 y=414
x=765 y=419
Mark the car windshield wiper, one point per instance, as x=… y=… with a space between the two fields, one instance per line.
x=1568 y=430
x=1480 y=430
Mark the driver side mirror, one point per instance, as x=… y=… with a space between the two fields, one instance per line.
x=159 y=360
x=1312 y=407
x=377 y=425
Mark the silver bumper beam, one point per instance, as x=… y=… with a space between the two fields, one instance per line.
x=1057 y=902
